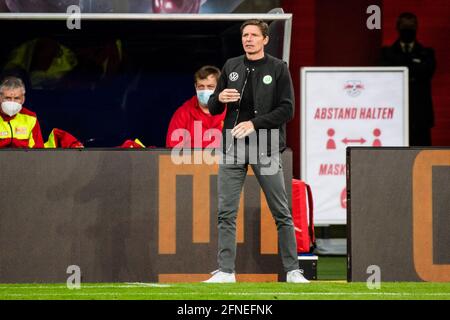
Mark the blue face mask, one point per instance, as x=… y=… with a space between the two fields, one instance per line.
x=203 y=96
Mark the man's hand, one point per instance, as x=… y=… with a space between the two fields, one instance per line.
x=229 y=95
x=243 y=129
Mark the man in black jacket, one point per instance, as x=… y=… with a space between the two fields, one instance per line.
x=257 y=90
x=421 y=63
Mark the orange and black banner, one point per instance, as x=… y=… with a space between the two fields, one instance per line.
x=125 y=215
x=398 y=213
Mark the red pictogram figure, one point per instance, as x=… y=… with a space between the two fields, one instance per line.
x=344 y=198
x=331 y=144
x=376 y=142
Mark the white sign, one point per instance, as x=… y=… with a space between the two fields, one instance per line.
x=344 y=107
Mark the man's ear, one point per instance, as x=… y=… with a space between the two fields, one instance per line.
x=266 y=40
x=23 y=100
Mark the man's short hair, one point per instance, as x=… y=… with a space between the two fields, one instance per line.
x=407 y=18
x=12 y=83
x=205 y=71
x=263 y=26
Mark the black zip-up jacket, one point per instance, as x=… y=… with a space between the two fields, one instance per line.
x=273 y=95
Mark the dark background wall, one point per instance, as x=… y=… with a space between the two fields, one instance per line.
x=334 y=33
x=149 y=74
x=149 y=69
x=434 y=31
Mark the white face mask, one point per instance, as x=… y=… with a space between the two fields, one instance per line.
x=203 y=96
x=11 y=108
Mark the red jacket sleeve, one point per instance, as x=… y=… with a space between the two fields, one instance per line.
x=37 y=136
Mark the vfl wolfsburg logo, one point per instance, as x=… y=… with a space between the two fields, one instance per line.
x=234 y=76
x=267 y=79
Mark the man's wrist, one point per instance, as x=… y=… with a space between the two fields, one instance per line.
x=254 y=122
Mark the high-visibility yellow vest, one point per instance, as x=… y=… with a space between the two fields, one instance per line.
x=20 y=131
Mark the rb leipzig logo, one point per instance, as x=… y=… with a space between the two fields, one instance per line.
x=353 y=88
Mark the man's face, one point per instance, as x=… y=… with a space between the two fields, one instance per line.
x=209 y=83
x=407 y=24
x=15 y=95
x=253 y=40
x=407 y=30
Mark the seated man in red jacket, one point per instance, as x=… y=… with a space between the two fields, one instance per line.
x=19 y=127
x=192 y=126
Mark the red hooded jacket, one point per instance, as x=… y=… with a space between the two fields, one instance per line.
x=196 y=129
x=62 y=139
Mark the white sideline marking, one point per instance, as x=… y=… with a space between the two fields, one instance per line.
x=143 y=284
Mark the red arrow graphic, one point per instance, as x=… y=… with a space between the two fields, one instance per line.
x=347 y=141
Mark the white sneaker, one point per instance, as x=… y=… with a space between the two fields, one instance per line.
x=296 y=276
x=221 y=277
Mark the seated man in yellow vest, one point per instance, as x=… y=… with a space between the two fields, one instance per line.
x=19 y=127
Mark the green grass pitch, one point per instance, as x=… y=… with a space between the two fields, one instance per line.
x=316 y=290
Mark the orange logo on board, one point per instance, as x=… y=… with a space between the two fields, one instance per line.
x=168 y=172
x=423 y=251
